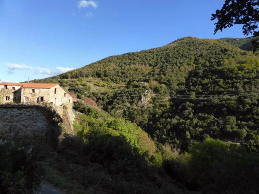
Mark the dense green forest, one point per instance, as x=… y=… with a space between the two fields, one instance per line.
x=197 y=99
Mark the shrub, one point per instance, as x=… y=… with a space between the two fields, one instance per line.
x=19 y=167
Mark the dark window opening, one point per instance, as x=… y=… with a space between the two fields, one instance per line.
x=40 y=99
x=7 y=98
x=33 y=90
x=13 y=88
x=65 y=94
x=55 y=91
x=5 y=86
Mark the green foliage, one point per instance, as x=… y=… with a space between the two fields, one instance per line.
x=222 y=168
x=237 y=12
x=242 y=43
x=97 y=128
x=20 y=170
x=113 y=153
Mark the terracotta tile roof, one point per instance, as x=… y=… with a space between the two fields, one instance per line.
x=31 y=85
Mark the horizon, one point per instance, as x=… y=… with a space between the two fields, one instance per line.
x=44 y=39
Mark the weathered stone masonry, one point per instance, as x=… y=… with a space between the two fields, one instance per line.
x=51 y=95
x=29 y=121
x=25 y=120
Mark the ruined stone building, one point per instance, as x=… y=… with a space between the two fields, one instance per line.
x=34 y=93
x=39 y=94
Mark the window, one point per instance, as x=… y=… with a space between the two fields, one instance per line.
x=55 y=91
x=33 y=90
x=13 y=88
x=69 y=100
x=26 y=99
x=40 y=99
x=5 y=86
x=7 y=98
x=65 y=94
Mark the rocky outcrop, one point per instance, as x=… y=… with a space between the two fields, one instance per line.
x=145 y=98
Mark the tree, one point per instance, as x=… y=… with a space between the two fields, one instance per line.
x=245 y=12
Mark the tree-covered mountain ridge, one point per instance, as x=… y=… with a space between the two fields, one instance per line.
x=170 y=65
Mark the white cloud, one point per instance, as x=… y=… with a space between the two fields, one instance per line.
x=15 y=66
x=60 y=70
x=84 y=3
x=89 y=15
x=57 y=71
x=44 y=71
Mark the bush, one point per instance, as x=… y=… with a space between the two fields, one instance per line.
x=19 y=167
x=222 y=168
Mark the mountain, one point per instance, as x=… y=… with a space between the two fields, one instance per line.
x=168 y=66
x=183 y=95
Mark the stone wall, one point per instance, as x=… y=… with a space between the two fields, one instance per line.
x=28 y=121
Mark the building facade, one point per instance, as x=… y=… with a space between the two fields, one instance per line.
x=34 y=93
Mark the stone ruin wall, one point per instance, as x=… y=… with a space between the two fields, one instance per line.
x=25 y=121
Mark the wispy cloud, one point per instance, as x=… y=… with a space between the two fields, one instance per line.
x=57 y=71
x=43 y=71
x=15 y=66
x=89 y=14
x=84 y=3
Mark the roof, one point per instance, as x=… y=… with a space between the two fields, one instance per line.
x=30 y=85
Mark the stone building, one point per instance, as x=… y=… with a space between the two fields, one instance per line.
x=34 y=93
x=51 y=95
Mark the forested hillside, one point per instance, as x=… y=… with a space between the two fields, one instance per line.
x=242 y=43
x=168 y=65
x=182 y=94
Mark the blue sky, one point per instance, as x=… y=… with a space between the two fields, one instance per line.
x=39 y=38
